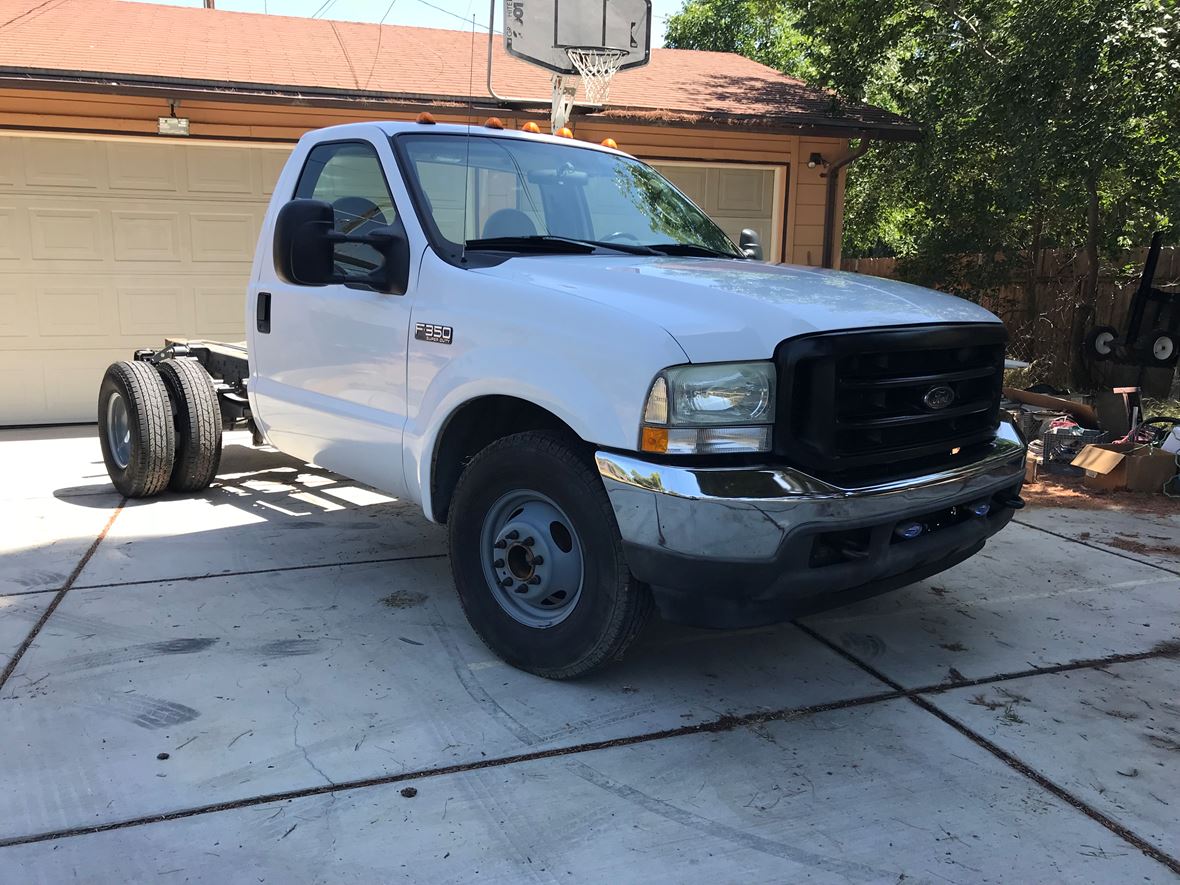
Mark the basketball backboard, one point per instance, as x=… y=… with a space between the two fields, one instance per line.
x=542 y=31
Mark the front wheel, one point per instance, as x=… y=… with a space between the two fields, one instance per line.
x=538 y=561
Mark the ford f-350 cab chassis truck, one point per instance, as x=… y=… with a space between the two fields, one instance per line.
x=610 y=405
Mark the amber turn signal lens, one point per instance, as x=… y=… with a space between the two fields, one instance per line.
x=610 y=143
x=530 y=126
x=655 y=439
x=565 y=132
x=425 y=117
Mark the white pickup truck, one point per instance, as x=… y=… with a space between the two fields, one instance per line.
x=609 y=404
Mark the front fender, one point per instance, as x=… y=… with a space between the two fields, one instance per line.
x=587 y=363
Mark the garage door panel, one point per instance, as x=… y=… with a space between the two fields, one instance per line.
x=74 y=309
x=744 y=191
x=220 y=171
x=155 y=311
x=14 y=242
x=221 y=310
x=66 y=234
x=146 y=236
x=10 y=166
x=223 y=236
x=64 y=163
x=18 y=312
x=22 y=391
x=270 y=165
x=144 y=167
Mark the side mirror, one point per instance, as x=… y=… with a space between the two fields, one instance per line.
x=750 y=244
x=305 y=249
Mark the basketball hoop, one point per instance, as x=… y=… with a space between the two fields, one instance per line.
x=597 y=66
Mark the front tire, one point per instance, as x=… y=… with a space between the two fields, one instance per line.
x=566 y=603
x=135 y=429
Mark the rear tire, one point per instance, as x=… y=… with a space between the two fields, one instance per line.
x=572 y=523
x=198 y=424
x=1163 y=348
x=135 y=429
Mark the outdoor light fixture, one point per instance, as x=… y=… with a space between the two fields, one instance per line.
x=816 y=159
x=172 y=126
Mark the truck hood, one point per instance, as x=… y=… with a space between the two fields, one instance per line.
x=737 y=310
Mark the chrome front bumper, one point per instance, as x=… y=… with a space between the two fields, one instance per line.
x=750 y=521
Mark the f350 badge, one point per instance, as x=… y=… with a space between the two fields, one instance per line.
x=431 y=332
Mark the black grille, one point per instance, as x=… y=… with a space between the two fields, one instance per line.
x=874 y=403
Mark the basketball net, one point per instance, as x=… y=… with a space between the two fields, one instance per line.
x=597 y=66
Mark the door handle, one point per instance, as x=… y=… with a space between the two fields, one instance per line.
x=263 y=312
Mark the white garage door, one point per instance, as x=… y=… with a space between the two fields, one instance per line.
x=736 y=196
x=107 y=245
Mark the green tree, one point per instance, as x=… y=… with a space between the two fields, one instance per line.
x=1049 y=123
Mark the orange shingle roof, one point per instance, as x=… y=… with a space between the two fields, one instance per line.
x=221 y=50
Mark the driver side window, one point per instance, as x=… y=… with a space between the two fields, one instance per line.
x=348 y=176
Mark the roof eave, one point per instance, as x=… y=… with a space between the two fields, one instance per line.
x=178 y=88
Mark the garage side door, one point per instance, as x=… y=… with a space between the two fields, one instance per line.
x=735 y=196
x=109 y=245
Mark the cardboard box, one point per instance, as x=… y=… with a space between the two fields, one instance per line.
x=1118 y=466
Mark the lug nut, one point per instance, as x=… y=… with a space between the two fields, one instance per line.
x=499 y=563
x=512 y=535
x=507 y=582
x=538 y=560
x=501 y=544
x=528 y=542
x=535 y=579
x=522 y=589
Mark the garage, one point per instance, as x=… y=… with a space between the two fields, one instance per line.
x=108 y=244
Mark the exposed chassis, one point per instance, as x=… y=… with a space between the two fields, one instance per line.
x=227 y=364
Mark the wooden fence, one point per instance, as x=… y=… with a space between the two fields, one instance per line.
x=1040 y=311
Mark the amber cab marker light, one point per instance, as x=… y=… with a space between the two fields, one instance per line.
x=655 y=439
x=565 y=132
x=532 y=127
x=610 y=143
x=493 y=123
x=426 y=118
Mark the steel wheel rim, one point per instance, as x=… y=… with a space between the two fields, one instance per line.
x=118 y=431
x=532 y=559
x=1102 y=343
x=1163 y=348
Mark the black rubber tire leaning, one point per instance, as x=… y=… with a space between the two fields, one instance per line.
x=198 y=424
x=613 y=605
x=142 y=465
x=1101 y=337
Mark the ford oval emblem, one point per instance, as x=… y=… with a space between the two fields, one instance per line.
x=939 y=397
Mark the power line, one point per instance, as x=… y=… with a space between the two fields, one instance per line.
x=380 y=34
x=465 y=21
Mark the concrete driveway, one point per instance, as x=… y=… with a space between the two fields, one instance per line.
x=273 y=682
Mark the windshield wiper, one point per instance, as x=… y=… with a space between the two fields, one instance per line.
x=551 y=243
x=695 y=249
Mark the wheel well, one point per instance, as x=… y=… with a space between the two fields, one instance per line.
x=476 y=425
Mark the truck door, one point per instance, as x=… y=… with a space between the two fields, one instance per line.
x=329 y=362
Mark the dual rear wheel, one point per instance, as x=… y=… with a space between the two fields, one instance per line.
x=159 y=427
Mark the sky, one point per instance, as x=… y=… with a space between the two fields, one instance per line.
x=423 y=13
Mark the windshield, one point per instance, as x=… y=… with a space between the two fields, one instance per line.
x=517 y=192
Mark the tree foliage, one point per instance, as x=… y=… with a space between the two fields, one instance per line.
x=1048 y=123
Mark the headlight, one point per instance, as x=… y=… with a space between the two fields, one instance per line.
x=723 y=407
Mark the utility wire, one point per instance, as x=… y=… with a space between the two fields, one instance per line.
x=380 y=34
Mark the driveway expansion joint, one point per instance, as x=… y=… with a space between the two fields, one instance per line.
x=721 y=724
x=11 y=666
x=915 y=696
x=1099 y=547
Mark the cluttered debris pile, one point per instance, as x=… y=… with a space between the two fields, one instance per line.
x=1104 y=439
